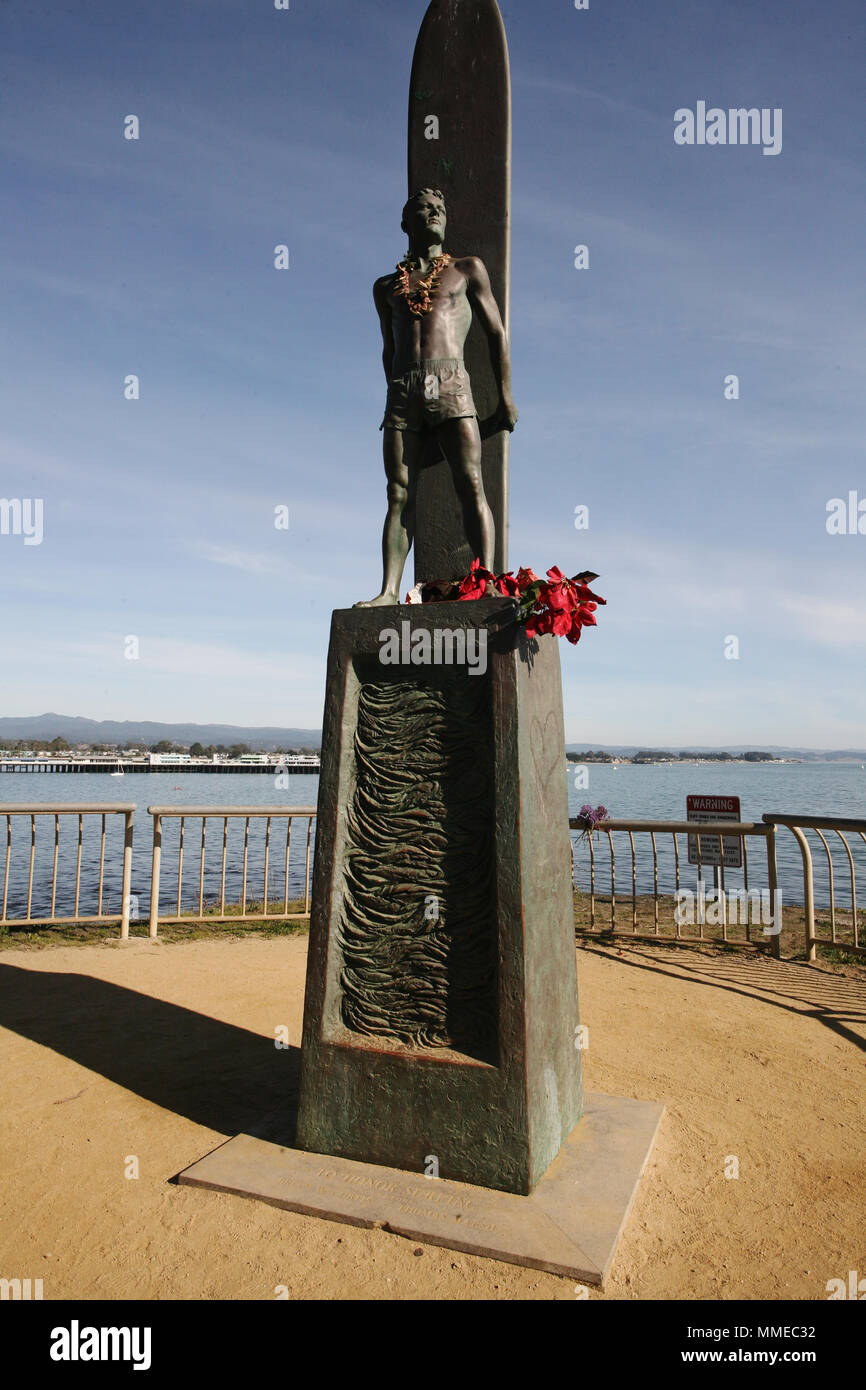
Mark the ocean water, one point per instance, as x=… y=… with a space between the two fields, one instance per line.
x=629 y=792
x=658 y=792
x=176 y=788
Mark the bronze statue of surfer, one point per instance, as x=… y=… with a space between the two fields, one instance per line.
x=425 y=312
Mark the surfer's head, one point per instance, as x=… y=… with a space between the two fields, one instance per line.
x=424 y=215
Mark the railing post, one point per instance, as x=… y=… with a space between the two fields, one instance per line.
x=808 y=891
x=773 y=880
x=154 y=875
x=127 y=875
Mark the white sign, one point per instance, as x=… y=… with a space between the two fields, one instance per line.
x=715 y=808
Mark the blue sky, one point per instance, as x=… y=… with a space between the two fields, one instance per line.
x=258 y=127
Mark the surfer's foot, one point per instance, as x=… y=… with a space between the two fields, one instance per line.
x=383 y=600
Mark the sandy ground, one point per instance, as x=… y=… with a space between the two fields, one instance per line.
x=161 y=1050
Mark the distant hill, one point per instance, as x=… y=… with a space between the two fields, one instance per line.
x=77 y=730
x=628 y=750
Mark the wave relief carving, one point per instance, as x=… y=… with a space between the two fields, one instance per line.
x=420 y=842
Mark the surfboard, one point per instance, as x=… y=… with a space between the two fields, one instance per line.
x=460 y=75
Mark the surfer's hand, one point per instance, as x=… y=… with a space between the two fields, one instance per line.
x=506 y=415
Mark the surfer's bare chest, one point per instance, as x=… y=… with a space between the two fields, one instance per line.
x=450 y=312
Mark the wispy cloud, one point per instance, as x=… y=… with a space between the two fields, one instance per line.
x=829 y=622
x=249 y=561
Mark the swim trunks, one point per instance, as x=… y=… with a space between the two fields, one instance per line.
x=434 y=390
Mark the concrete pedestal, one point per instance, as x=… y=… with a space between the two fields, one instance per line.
x=440 y=1020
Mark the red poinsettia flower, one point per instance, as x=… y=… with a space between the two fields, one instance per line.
x=558 y=592
x=526 y=577
x=476 y=581
x=555 y=605
x=507 y=585
x=584 y=593
x=537 y=624
x=556 y=596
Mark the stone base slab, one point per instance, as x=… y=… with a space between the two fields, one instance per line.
x=569 y=1225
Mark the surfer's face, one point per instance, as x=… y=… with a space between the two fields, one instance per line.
x=425 y=218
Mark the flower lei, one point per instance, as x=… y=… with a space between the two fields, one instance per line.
x=556 y=604
x=420 y=300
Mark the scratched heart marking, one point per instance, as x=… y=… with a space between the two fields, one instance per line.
x=545 y=746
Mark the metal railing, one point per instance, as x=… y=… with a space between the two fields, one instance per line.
x=838 y=826
x=215 y=910
x=631 y=893
x=715 y=830
x=65 y=813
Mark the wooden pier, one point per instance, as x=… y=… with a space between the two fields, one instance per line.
x=131 y=766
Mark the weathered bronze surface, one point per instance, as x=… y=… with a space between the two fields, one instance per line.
x=493 y=1089
x=417 y=921
x=444 y=327
x=425 y=312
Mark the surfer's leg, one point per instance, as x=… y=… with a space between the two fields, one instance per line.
x=461 y=444
x=401 y=451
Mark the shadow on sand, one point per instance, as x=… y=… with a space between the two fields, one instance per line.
x=213 y=1073
x=834 y=1000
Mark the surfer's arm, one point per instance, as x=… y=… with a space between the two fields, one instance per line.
x=484 y=303
x=383 y=308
